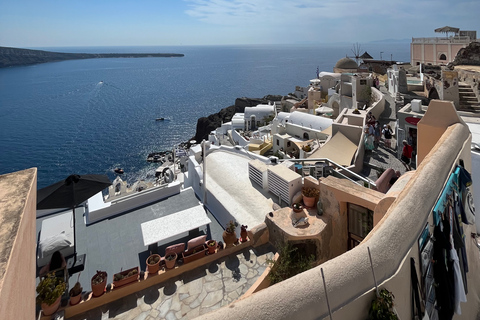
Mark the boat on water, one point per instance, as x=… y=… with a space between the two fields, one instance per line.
x=159 y=119
x=118 y=170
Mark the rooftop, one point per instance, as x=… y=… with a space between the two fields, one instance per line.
x=116 y=243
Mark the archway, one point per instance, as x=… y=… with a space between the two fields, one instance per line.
x=442 y=57
x=252 y=123
x=433 y=94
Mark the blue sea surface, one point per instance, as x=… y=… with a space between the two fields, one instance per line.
x=91 y=116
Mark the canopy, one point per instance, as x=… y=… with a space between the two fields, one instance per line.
x=447 y=30
x=339 y=149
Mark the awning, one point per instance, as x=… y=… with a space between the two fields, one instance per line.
x=447 y=30
x=339 y=149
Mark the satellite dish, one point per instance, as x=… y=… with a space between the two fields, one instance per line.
x=168 y=175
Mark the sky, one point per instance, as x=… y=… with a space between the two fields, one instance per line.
x=60 y=23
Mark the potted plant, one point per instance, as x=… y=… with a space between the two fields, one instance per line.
x=170 y=260
x=194 y=254
x=50 y=290
x=99 y=282
x=243 y=233
x=75 y=294
x=382 y=306
x=212 y=246
x=153 y=263
x=309 y=196
x=229 y=235
x=297 y=207
x=124 y=277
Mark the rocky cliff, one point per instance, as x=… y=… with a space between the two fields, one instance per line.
x=10 y=57
x=469 y=55
x=207 y=124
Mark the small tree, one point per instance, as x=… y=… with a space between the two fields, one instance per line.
x=290 y=263
x=366 y=95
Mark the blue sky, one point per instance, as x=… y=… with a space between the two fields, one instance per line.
x=44 y=23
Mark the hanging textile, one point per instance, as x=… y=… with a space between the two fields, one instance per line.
x=458 y=282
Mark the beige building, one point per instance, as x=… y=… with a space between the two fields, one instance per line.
x=439 y=50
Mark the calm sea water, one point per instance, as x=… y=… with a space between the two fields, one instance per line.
x=90 y=116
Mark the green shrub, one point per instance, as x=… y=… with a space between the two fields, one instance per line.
x=289 y=263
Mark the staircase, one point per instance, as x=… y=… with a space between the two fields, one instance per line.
x=468 y=99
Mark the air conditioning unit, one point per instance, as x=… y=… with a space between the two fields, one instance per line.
x=416 y=105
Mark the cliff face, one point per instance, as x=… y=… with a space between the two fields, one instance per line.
x=469 y=55
x=10 y=57
x=205 y=125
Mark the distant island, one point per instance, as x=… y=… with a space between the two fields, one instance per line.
x=10 y=57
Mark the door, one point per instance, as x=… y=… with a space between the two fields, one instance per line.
x=360 y=223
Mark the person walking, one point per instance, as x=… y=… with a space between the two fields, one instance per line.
x=407 y=155
x=377 y=133
x=387 y=133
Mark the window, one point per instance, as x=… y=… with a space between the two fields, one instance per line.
x=360 y=223
x=306 y=136
x=442 y=57
x=278 y=142
x=289 y=144
x=363 y=81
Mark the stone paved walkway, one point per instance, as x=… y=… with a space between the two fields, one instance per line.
x=192 y=294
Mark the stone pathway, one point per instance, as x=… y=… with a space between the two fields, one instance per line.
x=192 y=294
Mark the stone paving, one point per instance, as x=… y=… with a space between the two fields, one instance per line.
x=193 y=293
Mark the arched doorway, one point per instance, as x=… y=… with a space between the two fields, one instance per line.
x=252 y=123
x=442 y=57
x=433 y=94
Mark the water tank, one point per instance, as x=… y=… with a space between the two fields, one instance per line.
x=416 y=105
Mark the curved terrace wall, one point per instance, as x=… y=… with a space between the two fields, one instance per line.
x=349 y=278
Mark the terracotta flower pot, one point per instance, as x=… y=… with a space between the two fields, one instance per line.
x=309 y=201
x=99 y=288
x=50 y=309
x=153 y=267
x=212 y=246
x=243 y=234
x=170 y=264
x=75 y=299
x=229 y=238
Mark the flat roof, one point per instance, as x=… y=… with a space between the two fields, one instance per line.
x=116 y=243
x=229 y=182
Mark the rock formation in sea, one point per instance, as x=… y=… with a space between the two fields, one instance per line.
x=207 y=124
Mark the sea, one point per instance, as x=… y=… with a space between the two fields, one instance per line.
x=92 y=116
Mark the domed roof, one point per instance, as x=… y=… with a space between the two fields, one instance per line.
x=346 y=63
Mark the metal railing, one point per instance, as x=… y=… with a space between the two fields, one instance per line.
x=366 y=182
x=457 y=39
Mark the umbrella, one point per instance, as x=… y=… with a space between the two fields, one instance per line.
x=70 y=192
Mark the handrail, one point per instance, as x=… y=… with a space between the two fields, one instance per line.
x=364 y=179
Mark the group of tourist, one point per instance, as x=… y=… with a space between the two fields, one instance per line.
x=373 y=135
x=374 y=132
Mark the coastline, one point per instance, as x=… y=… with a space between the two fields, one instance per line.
x=11 y=57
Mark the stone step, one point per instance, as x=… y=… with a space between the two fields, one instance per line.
x=468 y=103
x=467 y=94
